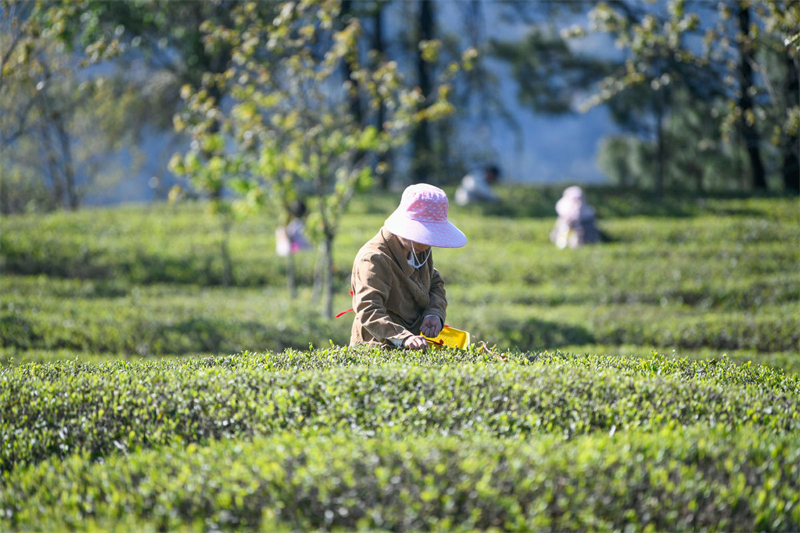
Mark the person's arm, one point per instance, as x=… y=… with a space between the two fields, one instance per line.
x=370 y=292
x=437 y=306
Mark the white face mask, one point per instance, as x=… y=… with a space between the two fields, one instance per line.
x=413 y=259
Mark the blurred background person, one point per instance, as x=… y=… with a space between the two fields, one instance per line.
x=476 y=187
x=291 y=238
x=575 y=225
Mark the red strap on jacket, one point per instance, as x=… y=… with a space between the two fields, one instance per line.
x=345 y=312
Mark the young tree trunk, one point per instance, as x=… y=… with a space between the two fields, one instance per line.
x=327 y=250
x=73 y=198
x=791 y=148
x=421 y=136
x=316 y=290
x=751 y=137
x=227 y=265
x=291 y=281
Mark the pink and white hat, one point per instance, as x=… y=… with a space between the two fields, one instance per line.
x=422 y=217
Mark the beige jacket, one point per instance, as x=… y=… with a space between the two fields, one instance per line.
x=390 y=297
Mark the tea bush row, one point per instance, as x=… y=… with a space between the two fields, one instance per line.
x=718 y=370
x=781 y=363
x=715 y=292
x=651 y=268
x=160 y=244
x=670 y=480
x=719 y=294
x=160 y=319
x=126 y=405
x=775 y=328
x=788 y=362
x=614 y=272
x=134 y=330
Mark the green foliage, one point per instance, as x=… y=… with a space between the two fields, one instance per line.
x=23 y=190
x=787 y=361
x=62 y=408
x=293 y=123
x=61 y=128
x=548 y=73
x=683 y=480
x=666 y=75
x=98 y=434
x=784 y=19
x=696 y=157
x=719 y=277
x=101 y=317
x=154 y=30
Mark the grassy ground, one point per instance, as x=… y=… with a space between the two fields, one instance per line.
x=650 y=383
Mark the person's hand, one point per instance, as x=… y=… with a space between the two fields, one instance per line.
x=415 y=342
x=431 y=326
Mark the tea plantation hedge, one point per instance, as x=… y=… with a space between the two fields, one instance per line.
x=63 y=408
x=46 y=314
x=719 y=273
x=685 y=480
x=99 y=432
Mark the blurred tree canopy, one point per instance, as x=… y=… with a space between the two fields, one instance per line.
x=60 y=129
x=549 y=74
x=19 y=65
x=703 y=92
x=711 y=53
x=291 y=129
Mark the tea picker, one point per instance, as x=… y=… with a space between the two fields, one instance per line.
x=398 y=296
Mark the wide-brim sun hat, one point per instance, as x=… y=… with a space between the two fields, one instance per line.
x=422 y=217
x=573 y=192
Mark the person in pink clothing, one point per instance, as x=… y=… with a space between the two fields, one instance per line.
x=291 y=239
x=398 y=295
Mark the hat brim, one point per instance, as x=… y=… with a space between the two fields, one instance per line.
x=439 y=234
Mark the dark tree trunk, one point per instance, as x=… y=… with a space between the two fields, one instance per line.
x=57 y=143
x=353 y=99
x=791 y=148
x=73 y=198
x=421 y=137
x=379 y=48
x=57 y=188
x=698 y=174
x=751 y=137
x=660 y=144
x=214 y=64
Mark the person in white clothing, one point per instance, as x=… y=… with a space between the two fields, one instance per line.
x=575 y=225
x=477 y=186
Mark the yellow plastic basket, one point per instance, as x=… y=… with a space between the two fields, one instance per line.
x=452 y=337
